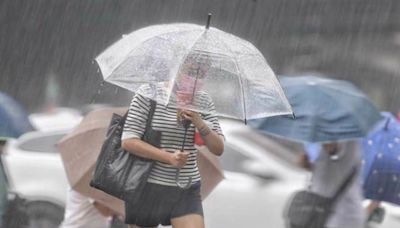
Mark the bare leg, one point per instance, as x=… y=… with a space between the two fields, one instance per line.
x=188 y=221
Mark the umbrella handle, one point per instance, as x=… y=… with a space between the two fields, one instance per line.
x=181 y=185
x=186 y=124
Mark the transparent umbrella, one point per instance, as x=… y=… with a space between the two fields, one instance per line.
x=181 y=64
x=188 y=65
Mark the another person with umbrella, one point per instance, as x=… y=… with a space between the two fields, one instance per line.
x=82 y=211
x=381 y=170
x=327 y=114
x=164 y=202
x=334 y=162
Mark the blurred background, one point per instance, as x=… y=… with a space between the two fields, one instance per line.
x=48 y=43
x=47 y=51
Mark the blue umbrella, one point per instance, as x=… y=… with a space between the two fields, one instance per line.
x=326 y=110
x=13 y=118
x=381 y=158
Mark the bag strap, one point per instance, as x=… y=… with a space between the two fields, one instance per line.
x=125 y=116
x=344 y=184
x=151 y=114
x=149 y=117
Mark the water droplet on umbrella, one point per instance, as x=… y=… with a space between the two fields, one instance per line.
x=369 y=142
x=390 y=145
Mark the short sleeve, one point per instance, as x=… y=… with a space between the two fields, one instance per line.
x=211 y=117
x=135 y=123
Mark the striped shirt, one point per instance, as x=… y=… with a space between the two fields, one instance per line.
x=172 y=135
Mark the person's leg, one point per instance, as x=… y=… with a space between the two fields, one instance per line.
x=188 y=221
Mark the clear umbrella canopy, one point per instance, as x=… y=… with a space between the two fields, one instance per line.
x=187 y=65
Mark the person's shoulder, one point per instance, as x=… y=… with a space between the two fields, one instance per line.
x=144 y=90
x=143 y=93
x=150 y=91
x=203 y=95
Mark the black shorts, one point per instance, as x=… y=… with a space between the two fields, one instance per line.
x=159 y=204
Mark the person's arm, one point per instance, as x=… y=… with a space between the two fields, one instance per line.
x=134 y=129
x=103 y=209
x=143 y=149
x=212 y=139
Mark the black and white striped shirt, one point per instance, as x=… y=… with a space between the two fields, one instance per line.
x=165 y=121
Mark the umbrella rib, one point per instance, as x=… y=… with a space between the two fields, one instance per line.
x=240 y=79
x=185 y=56
x=347 y=107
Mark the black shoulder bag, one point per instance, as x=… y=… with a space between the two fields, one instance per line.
x=118 y=172
x=307 y=209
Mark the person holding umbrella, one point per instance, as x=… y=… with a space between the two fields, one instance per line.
x=329 y=122
x=381 y=169
x=82 y=211
x=164 y=202
x=194 y=74
x=334 y=162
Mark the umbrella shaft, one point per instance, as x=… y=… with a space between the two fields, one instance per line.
x=186 y=124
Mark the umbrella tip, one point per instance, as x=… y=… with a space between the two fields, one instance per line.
x=208 y=21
